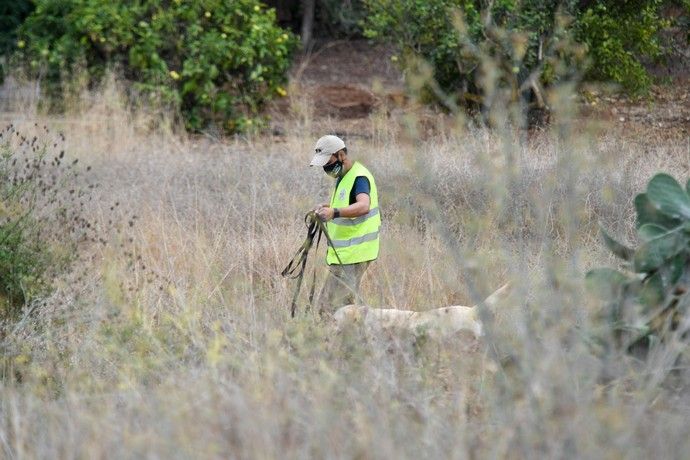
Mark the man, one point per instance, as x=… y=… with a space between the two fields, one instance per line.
x=353 y=222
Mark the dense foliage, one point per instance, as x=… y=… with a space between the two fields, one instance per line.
x=648 y=299
x=528 y=37
x=12 y=14
x=619 y=37
x=215 y=62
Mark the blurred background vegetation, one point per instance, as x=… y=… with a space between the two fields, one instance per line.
x=214 y=62
x=217 y=63
x=142 y=312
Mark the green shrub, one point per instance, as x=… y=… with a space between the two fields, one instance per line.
x=425 y=29
x=647 y=300
x=471 y=52
x=524 y=38
x=216 y=62
x=24 y=258
x=618 y=36
x=41 y=217
x=21 y=266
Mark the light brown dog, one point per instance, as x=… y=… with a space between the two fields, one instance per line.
x=438 y=323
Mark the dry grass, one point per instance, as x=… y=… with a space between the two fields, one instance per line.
x=189 y=352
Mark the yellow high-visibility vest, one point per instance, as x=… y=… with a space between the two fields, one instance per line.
x=356 y=239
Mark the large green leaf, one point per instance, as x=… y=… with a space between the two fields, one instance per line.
x=672 y=271
x=650 y=231
x=647 y=213
x=605 y=283
x=652 y=254
x=668 y=196
x=652 y=292
x=614 y=246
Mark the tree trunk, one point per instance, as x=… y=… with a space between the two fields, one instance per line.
x=308 y=7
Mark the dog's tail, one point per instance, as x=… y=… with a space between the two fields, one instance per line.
x=497 y=296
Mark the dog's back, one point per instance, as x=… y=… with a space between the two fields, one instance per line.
x=438 y=322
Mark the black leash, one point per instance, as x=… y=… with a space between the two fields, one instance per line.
x=295 y=268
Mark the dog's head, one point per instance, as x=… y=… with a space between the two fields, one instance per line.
x=450 y=320
x=473 y=323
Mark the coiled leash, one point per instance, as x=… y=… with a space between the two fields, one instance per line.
x=295 y=268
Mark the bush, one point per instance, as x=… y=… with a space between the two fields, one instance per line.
x=525 y=38
x=41 y=217
x=215 y=62
x=22 y=266
x=456 y=38
x=647 y=301
x=619 y=35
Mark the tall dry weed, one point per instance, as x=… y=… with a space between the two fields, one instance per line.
x=179 y=343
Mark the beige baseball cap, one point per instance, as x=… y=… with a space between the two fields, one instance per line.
x=324 y=148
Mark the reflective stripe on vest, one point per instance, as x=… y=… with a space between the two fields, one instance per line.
x=356 y=220
x=358 y=240
x=355 y=239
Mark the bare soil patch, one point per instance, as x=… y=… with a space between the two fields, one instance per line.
x=665 y=111
x=344 y=82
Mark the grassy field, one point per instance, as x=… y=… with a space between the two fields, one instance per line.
x=174 y=339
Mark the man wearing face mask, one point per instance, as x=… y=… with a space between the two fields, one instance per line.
x=353 y=222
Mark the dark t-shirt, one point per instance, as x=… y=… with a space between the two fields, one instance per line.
x=361 y=185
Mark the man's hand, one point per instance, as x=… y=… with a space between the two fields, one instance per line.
x=325 y=213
